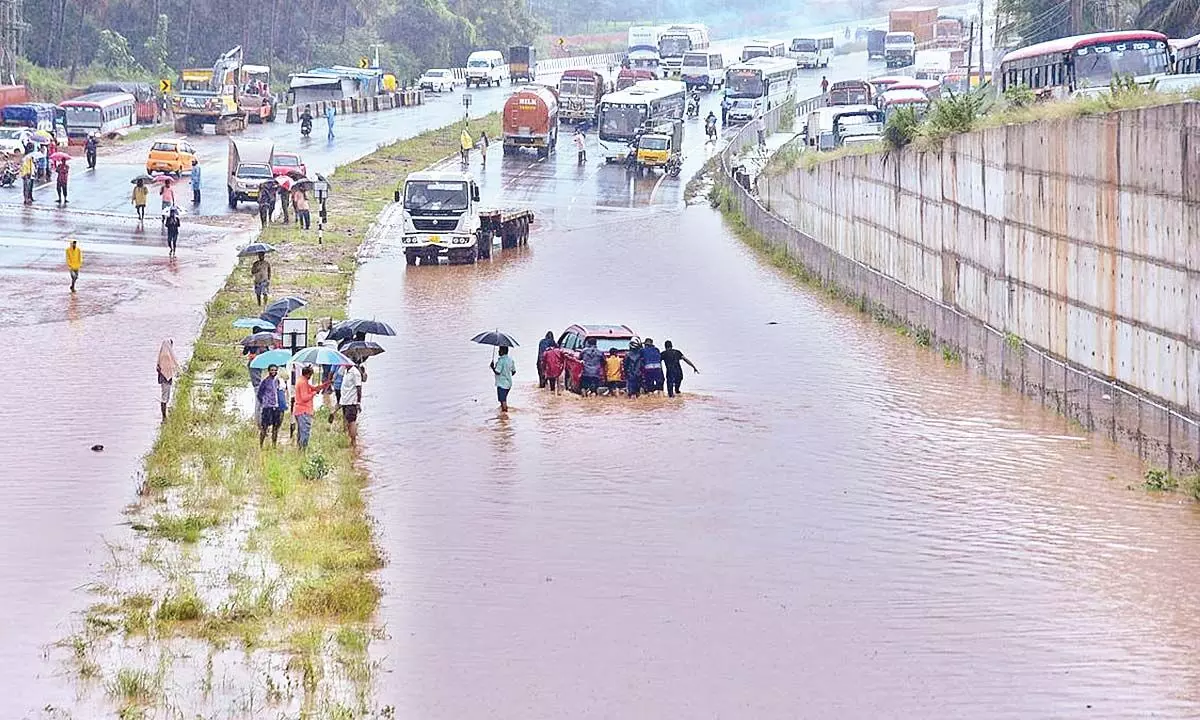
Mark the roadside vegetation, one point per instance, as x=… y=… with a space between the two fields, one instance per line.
x=247 y=585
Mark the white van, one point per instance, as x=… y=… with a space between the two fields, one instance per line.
x=486 y=67
x=704 y=68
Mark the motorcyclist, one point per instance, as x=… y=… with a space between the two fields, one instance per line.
x=694 y=108
x=89 y=149
x=306 y=120
x=710 y=125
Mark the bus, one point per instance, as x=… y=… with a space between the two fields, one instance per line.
x=760 y=48
x=624 y=113
x=1058 y=68
x=678 y=40
x=811 y=52
x=1187 y=55
x=769 y=81
x=149 y=110
x=100 y=113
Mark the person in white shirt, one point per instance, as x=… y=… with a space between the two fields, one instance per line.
x=351 y=400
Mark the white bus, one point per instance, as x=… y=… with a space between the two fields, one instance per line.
x=812 y=52
x=760 y=48
x=624 y=113
x=677 y=41
x=768 y=81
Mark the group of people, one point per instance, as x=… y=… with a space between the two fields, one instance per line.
x=466 y=143
x=641 y=369
x=272 y=195
x=172 y=216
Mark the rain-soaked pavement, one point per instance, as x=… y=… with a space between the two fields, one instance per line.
x=831 y=522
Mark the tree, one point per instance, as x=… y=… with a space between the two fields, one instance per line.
x=112 y=52
x=155 y=50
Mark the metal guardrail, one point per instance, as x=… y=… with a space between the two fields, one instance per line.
x=560 y=64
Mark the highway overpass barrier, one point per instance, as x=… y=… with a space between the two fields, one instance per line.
x=386 y=101
x=1059 y=270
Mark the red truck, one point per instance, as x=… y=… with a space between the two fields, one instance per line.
x=919 y=21
x=530 y=120
x=579 y=93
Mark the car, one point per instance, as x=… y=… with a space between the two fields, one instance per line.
x=288 y=163
x=10 y=140
x=607 y=337
x=172 y=156
x=437 y=80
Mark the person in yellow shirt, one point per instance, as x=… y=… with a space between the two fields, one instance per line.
x=464 y=139
x=612 y=372
x=27 y=177
x=74 y=262
x=140 y=194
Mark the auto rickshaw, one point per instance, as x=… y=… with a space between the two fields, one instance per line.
x=659 y=147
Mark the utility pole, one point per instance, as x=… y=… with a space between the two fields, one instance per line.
x=12 y=36
x=982 y=25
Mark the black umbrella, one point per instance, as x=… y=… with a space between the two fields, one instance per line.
x=277 y=310
x=260 y=339
x=358 y=350
x=143 y=177
x=256 y=248
x=495 y=337
x=350 y=328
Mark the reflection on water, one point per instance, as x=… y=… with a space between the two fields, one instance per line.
x=831 y=522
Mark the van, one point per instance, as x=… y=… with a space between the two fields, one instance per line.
x=705 y=69
x=486 y=67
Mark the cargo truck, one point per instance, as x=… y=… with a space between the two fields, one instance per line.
x=522 y=64
x=875 y=44
x=920 y=21
x=442 y=218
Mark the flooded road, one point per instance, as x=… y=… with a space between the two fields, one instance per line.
x=832 y=522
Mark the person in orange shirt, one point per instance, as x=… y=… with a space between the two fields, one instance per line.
x=74 y=262
x=612 y=372
x=302 y=404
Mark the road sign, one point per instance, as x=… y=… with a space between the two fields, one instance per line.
x=364 y=62
x=562 y=41
x=164 y=86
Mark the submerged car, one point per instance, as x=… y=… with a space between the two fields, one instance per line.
x=607 y=337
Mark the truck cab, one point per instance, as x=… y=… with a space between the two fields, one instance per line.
x=899 y=49
x=441 y=217
x=659 y=147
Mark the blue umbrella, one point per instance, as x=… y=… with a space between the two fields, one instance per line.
x=253 y=324
x=279 y=309
x=256 y=248
x=271 y=357
x=320 y=355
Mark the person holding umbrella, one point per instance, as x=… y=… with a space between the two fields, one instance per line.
x=62 y=170
x=172 y=222
x=140 y=194
x=168 y=198
x=503 y=368
x=300 y=204
x=261 y=272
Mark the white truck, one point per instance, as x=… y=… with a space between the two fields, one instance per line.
x=899 y=49
x=249 y=167
x=442 y=218
x=486 y=67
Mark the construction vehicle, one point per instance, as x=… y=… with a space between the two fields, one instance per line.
x=210 y=97
x=442 y=218
x=254 y=96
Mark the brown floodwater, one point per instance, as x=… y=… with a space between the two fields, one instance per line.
x=88 y=379
x=831 y=523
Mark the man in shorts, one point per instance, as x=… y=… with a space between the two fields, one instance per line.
x=350 y=401
x=503 y=368
x=270 y=417
x=261 y=272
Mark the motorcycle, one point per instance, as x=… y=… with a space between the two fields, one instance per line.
x=693 y=108
x=8 y=175
x=710 y=129
x=306 y=127
x=674 y=166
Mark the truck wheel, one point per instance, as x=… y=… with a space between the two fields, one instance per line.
x=543 y=152
x=410 y=257
x=180 y=125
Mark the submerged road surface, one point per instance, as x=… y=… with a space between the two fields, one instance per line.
x=831 y=522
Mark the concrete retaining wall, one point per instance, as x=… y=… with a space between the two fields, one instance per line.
x=1056 y=256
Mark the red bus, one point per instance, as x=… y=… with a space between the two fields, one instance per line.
x=145 y=101
x=98 y=113
x=1060 y=67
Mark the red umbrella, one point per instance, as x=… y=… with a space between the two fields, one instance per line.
x=284 y=181
x=60 y=157
x=164 y=178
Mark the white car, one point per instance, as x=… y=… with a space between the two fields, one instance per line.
x=439 y=80
x=10 y=140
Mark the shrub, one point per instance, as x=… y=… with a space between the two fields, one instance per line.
x=315 y=467
x=1019 y=96
x=953 y=114
x=901 y=128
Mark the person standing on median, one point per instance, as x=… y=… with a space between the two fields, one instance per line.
x=464 y=140
x=503 y=368
x=302 y=406
x=195 y=182
x=168 y=368
x=267 y=395
x=261 y=272
x=74 y=262
x=350 y=401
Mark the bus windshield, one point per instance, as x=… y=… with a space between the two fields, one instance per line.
x=695 y=60
x=430 y=195
x=674 y=46
x=621 y=120
x=83 y=116
x=740 y=83
x=1097 y=65
x=804 y=45
x=750 y=53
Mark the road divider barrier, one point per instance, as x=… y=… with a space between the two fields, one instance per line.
x=386 y=101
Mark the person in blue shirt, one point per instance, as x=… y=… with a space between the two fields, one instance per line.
x=329 y=119
x=195 y=182
x=652 y=374
x=503 y=368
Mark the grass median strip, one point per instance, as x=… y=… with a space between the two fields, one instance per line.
x=269 y=553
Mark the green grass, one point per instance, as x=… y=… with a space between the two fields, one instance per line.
x=181 y=606
x=185 y=528
x=136 y=687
